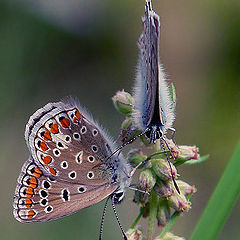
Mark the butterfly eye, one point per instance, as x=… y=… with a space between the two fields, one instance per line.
x=118 y=197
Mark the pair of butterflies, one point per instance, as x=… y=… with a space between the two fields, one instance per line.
x=69 y=167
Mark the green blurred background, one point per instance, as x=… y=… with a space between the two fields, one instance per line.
x=87 y=48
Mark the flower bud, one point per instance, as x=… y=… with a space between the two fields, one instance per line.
x=186 y=152
x=146 y=210
x=185 y=188
x=147 y=180
x=140 y=198
x=164 y=189
x=162 y=169
x=163 y=214
x=135 y=156
x=127 y=123
x=134 y=233
x=179 y=203
x=169 y=236
x=123 y=102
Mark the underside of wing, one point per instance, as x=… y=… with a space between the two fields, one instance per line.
x=146 y=86
x=39 y=197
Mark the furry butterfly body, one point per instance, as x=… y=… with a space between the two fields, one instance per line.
x=154 y=112
x=59 y=178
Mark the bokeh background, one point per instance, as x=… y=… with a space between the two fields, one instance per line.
x=87 y=48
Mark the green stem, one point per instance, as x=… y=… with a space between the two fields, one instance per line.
x=152 y=215
x=137 y=218
x=170 y=223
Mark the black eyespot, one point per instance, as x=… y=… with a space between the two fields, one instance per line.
x=49 y=208
x=91 y=158
x=46 y=184
x=72 y=174
x=65 y=194
x=39 y=143
x=60 y=145
x=67 y=138
x=83 y=129
x=43 y=193
x=95 y=132
x=56 y=152
x=90 y=175
x=94 y=148
x=81 y=189
x=44 y=202
x=76 y=136
x=64 y=164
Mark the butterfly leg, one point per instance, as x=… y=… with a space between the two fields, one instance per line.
x=173 y=130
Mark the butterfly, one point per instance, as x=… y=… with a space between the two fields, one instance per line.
x=67 y=168
x=154 y=108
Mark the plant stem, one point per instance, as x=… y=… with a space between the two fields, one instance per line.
x=137 y=218
x=169 y=224
x=152 y=215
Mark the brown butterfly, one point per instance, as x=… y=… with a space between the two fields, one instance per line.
x=67 y=168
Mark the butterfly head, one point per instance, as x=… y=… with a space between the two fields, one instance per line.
x=153 y=133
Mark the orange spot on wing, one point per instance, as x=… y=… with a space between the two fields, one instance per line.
x=28 y=202
x=47 y=136
x=47 y=160
x=65 y=122
x=52 y=171
x=33 y=182
x=78 y=115
x=31 y=213
x=54 y=128
x=43 y=146
x=29 y=192
x=37 y=172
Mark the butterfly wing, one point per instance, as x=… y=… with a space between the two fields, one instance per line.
x=147 y=88
x=154 y=106
x=65 y=144
x=39 y=197
x=68 y=145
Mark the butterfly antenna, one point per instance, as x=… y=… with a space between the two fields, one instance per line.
x=138 y=190
x=115 y=212
x=102 y=221
x=120 y=148
x=173 y=178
